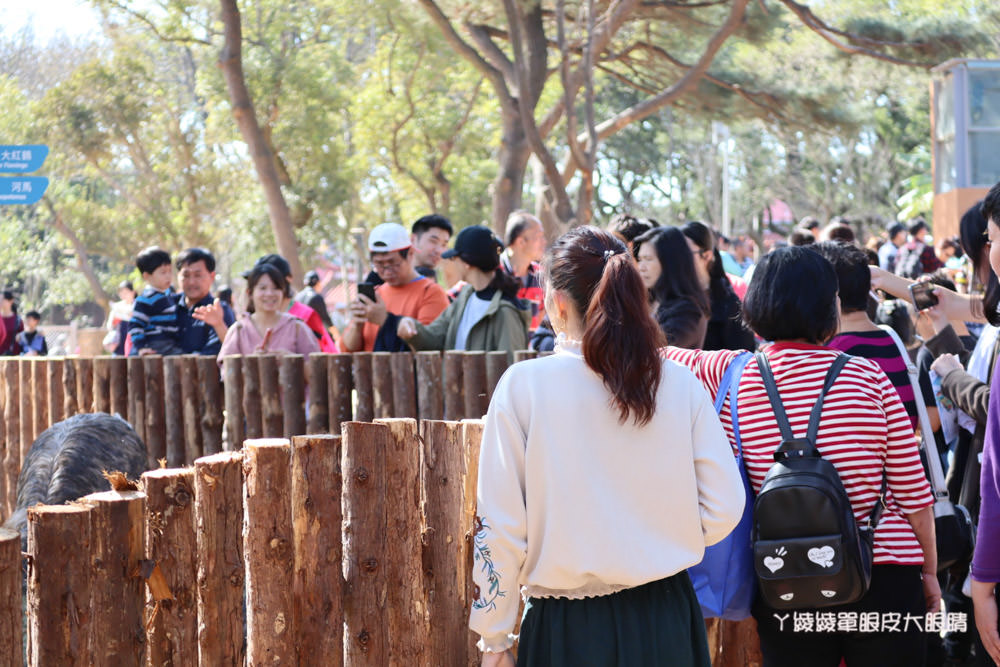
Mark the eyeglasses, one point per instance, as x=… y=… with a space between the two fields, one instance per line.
x=391 y=264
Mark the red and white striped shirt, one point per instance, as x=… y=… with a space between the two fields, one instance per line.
x=864 y=428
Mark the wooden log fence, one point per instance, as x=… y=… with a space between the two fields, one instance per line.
x=185 y=407
x=348 y=549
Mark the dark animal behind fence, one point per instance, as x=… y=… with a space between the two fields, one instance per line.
x=68 y=460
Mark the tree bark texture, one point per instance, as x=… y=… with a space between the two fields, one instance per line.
x=317 y=611
x=251 y=399
x=172 y=547
x=10 y=598
x=272 y=420
x=474 y=384
x=292 y=378
x=59 y=573
x=136 y=392
x=472 y=437
x=102 y=384
x=118 y=386
x=231 y=62
x=404 y=523
x=70 y=406
x=362 y=374
x=404 y=398
x=210 y=400
x=218 y=515
x=382 y=383
x=319 y=394
x=117 y=589
x=155 y=417
x=173 y=412
x=340 y=384
x=442 y=466
x=232 y=371
x=11 y=458
x=191 y=407
x=268 y=551
x=54 y=383
x=454 y=396
x=365 y=615
x=85 y=384
x=430 y=398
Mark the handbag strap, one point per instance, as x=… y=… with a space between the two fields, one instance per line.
x=729 y=386
x=927 y=443
x=774 y=396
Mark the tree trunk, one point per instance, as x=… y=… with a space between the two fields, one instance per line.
x=100 y=296
x=513 y=160
x=231 y=62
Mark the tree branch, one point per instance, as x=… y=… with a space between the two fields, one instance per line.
x=102 y=297
x=480 y=34
x=145 y=20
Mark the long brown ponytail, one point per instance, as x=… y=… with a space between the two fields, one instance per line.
x=620 y=338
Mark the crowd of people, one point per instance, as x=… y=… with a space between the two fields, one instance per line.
x=688 y=368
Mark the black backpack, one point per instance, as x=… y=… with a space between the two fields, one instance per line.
x=808 y=549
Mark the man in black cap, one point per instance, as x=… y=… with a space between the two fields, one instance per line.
x=314 y=299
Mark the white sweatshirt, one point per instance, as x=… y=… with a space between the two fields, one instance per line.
x=574 y=504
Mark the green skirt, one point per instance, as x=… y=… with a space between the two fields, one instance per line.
x=659 y=623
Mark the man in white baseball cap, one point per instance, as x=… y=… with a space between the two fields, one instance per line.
x=403 y=293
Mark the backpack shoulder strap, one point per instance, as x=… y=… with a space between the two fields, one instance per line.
x=729 y=386
x=773 y=396
x=831 y=376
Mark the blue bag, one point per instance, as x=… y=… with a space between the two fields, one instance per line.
x=724 y=580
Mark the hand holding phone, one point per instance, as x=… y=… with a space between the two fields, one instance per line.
x=923 y=295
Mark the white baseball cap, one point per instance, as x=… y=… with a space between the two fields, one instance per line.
x=387 y=237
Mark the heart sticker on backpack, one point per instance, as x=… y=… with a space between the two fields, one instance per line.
x=787 y=596
x=774 y=564
x=822 y=556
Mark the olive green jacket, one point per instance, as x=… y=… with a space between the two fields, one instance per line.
x=504 y=327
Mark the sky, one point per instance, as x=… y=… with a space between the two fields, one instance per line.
x=48 y=17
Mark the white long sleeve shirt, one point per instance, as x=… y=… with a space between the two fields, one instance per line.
x=572 y=503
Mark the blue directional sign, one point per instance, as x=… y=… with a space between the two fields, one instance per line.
x=22 y=159
x=22 y=189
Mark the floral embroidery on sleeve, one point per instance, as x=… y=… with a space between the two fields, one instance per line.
x=482 y=554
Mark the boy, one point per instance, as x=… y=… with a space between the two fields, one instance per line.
x=153 y=327
x=31 y=340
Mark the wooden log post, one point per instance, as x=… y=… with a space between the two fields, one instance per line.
x=173 y=412
x=118 y=386
x=365 y=615
x=232 y=373
x=524 y=355
x=25 y=408
x=59 y=572
x=12 y=434
x=362 y=373
x=317 y=606
x=472 y=437
x=3 y=442
x=211 y=404
x=251 y=399
x=496 y=366
x=272 y=421
x=382 y=381
x=454 y=395
x=340 y=385
x=54 y=367
x=443 y=488
x=85 y=384
x=39 y=398
x=292 y=378
x=404 y=385
x=11 y=650
x=218 y=513
x=268 y=551
x=117 y=597
x=474 y=382
x=430 y=390
x=156 y=416
x=191 y=391
x=102 y=384
x=135 y=370
x=70 y=405
x=171 y=567
x=406 y=605
x=319 y=394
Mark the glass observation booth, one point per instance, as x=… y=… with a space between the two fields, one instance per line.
x=965 y=129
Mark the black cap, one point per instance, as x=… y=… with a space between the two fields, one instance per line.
x=477 y=245
x=277 y=261
x=311 y=278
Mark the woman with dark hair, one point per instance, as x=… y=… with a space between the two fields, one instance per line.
x=266 y=327
x=864 y=432
x=599 y=533
x=486 y=315
x=725 y=330
x=11 y=325
x=679 y=304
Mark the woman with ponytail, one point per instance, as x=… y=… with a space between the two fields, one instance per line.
x=486 y=315
x=603 y=475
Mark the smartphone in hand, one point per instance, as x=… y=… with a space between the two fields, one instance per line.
x=923 y=295
x=368 y=290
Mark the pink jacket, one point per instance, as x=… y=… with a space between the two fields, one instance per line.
x=289 y=335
